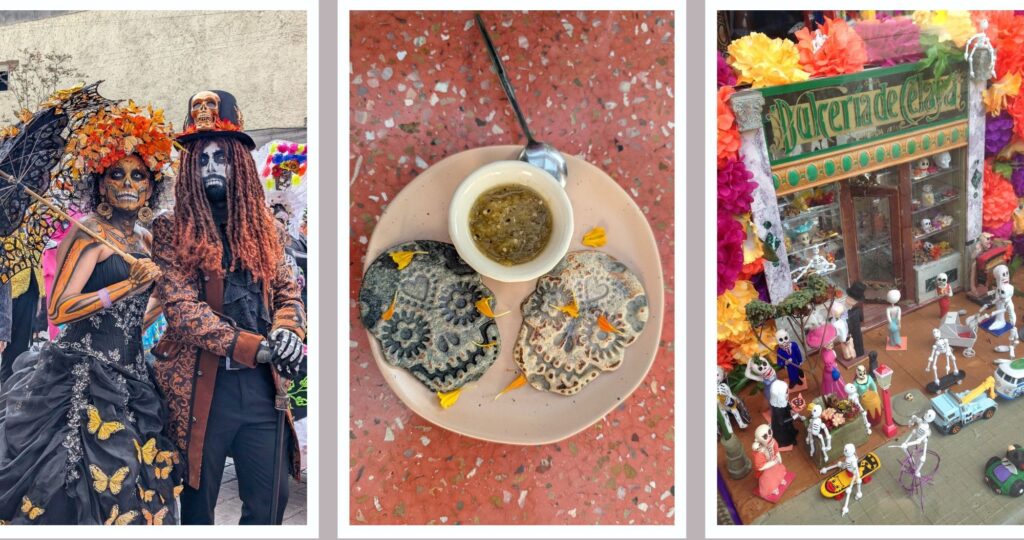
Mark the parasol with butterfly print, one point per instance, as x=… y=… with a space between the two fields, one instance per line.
x=33 y=183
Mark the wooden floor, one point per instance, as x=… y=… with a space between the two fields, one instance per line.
x=229 y=505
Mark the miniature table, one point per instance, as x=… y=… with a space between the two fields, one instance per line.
x=596 y=85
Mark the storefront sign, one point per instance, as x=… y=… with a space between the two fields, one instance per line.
x=827 y=115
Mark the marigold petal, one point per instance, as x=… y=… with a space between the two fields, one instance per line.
x=447 y=399
x=595 y=237
x=518 y=382
x=403 y=258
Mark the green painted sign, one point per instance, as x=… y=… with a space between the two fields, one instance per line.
x=833 y=113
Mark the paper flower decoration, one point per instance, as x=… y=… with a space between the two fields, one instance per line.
x=998 y=202
x=890 y=41
x=762 y=61
x=726 y=355
x=116 y=132
x=728 y=133
x=995 y=96
x=735 y=188
x=833 y=49
x=1016 y=110
x=1006 y=32
x=733 y=326
x=730 y=251
x=955 y=26
x=726 y=76
x=1017 y=178
x=998 y=131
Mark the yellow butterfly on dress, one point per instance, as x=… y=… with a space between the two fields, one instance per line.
x=120 y=519
x=103 y=430
x=155 y=519
x=31 y=510
x=178 y=489
x=163 y=473
x=167 y=456
x=101 y=481
x=146 y=452
x=146 y=495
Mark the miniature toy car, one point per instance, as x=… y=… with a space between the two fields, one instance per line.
x=1010 y=379
x=954 y=411
x=1005 y=475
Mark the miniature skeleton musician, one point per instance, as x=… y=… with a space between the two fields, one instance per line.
x=919 y=437
x=850 y=464
x=941 y=346
x=728 y=403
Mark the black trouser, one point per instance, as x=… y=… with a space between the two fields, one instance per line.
x=23 y=318
x=242 y=424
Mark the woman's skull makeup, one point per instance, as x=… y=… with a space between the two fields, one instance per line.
x=205 y=110
x=215 y=169
x=127 y=184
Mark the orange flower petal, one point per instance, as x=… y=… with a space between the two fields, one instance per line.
x=572 y=309
x=520 y=381
x=483 y=305
x=607 y=326
x=595 y=237
x=391 y=310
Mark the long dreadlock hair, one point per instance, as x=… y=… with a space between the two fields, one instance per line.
x=251 y=231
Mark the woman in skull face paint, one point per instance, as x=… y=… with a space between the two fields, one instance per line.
x=82 y=433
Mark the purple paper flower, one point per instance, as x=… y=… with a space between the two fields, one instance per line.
x=730 y=251
x=1017 y=178
x=761 y=285
x=735 y=188
x=998 y=130
x=726 y=76
x=1002 y=231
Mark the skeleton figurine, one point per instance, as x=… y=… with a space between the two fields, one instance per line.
x=815 y=428
x=772 y=476
x=945 y=292
x=941 y=346
x=843 y=339
x=894 y=316
x=728 y=403
x=790 y=356
x=760 y=370
x=919 y=436
x=851 y=465
x=853 y=396
x=1004 y=313
x=980 y=43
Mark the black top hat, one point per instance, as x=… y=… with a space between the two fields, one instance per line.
x=226 y=121
x=856 y=290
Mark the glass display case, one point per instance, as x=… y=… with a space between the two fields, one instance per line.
x=811 y=221
x=937 y=220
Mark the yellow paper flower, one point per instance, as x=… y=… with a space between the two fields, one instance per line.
x=955 y=26
x=995 y=96
x=762 y=61
x=753 y=248
x=733 y=326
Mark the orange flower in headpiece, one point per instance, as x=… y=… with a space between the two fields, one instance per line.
x=116 y=132
x=833 y=49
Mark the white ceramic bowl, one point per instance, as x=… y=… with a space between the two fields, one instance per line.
x=503 y=173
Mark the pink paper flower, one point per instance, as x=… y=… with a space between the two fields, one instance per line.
x=726 y=76
x=735 y=189
x=730 y=251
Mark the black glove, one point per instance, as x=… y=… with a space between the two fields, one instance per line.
x=287 y=352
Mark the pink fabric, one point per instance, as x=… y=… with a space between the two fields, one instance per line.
x=890 y=42
x=829 y=386
x=50 y=265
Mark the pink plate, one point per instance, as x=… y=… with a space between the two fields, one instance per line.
x=525 y=415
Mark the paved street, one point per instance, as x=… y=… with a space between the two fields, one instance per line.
x=958 y=495
x=229 y=506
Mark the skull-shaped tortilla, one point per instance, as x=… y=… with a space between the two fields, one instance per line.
x=561 y=353
x=435 y=330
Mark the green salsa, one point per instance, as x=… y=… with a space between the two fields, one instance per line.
x=510 y=224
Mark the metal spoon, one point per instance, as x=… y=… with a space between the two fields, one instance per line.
x=536 y=153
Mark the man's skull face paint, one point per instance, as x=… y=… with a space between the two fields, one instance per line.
x=205 y=110
x=216 y=171
x=127 y=185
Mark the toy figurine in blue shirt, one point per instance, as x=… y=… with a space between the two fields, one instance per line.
x=790 y=357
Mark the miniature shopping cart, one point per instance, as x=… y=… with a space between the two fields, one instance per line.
x=960 y=335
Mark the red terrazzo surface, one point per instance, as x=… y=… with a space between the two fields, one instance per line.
x=597 y=85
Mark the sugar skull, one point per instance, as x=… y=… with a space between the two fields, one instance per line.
x=941 y=280
x=763 y=434
x=205 y=110
x=782 y=337
x=926 y=225
x=942 y=160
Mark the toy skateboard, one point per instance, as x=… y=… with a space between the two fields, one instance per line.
x=834 y=487
x=945 y=382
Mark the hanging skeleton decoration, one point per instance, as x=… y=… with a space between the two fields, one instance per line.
x=919 y=436
x=728 y=403
x=941 y=346
x=979 y=49
x=817 y=264
x=816 y=428
x=850 y=464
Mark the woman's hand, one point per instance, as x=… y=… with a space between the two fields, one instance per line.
x=143 y=272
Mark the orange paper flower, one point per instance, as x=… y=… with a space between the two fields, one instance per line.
x=996 y=96
x=728 y=133
x=999 y=201
x=1016 y=110
x=116 y=132
x=833 y=49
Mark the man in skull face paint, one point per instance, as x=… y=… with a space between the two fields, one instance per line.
x=235 y=319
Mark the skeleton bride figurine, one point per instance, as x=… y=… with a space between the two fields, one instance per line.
x=894 y=316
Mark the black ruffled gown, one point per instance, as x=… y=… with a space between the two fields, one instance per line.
x=82 y=424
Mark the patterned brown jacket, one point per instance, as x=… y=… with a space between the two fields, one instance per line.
x=198 y=336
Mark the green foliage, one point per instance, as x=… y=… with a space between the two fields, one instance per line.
x=1003 y=168
x=760 y=313
x=939 y=57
